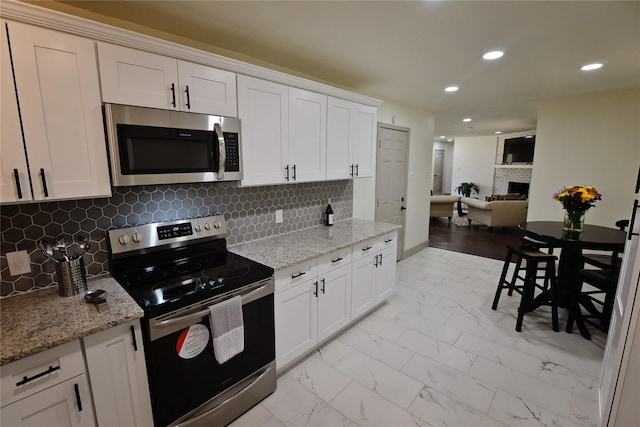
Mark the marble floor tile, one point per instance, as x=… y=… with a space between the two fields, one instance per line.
x=436 y=354
x=367 y=408
x=381 y=379
x=460 y=386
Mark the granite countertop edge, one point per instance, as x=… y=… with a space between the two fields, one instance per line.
x=290 y=249
x=41 y=320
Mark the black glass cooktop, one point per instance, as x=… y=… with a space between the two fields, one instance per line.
x=183 y=276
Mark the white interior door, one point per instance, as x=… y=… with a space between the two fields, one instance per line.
x=438 y=170
x=391 y=177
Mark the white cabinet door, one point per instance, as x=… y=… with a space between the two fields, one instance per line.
x=363 y=139
x=339 y=152
x=64 y=404
x=296 y=321
x=351 y=139
x=362 y=285
x=14 y=179
x=385 y=273
x=57 y=84
x=134 y=77
x=115 y=359
x=263 y=108
x=207 y=90
x=307 y=135
x=334 y=301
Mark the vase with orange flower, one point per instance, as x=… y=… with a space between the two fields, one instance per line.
x=576 y=201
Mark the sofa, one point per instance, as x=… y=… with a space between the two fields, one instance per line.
x=442 y=206
x=496 y=213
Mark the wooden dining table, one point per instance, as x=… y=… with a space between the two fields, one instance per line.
x=593 y=237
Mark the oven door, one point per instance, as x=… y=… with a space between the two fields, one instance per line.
x=188 y=385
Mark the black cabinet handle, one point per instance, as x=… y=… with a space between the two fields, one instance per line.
x=351 y=173
x=44 y=183
x=337 y=259
x=26 y=379
x=16 y=175
x=286 y=173
x=133 y=337
x=294 y=172
x=302 y=273
x=315 y=292
x=388 y=240
x=173 y=94
x=322 y=285
x=375 y=263
x=188 y=98
x=366 y=249
x=357 y=172
x=78 y=400
x=380 y=263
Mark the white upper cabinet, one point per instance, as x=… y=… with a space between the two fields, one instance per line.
x=263 y=108
x=14 y=179
x=133 y=77
x=351 y=132
x=307 y=135
x=56 y=79
x=283 y=133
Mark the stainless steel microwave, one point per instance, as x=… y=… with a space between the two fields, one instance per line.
x=148 y=146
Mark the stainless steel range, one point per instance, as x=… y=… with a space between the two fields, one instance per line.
x=180 y=272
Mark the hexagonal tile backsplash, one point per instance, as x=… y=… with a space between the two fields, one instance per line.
x=249 y=211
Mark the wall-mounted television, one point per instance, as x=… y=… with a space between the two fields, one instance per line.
x=519 y=150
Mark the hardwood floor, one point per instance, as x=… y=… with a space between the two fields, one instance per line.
x=474 y=240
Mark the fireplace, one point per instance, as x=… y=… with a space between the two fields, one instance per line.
x=519 y=187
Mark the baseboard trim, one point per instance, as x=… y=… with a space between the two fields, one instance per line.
x=414 y=250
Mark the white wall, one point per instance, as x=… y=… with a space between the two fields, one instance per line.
x=587 y=140
x=419 y=184
x=473 y=161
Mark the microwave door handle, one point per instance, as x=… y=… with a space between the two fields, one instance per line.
x=222 y=156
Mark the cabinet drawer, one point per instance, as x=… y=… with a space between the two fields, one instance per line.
x=366 y=248
x=35 y=373
x=389 y=239
x=288 y=277
x=334 y=260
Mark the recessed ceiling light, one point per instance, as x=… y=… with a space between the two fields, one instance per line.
x=494 y=54
x=451 y=89
x=450 y=140
x=467 y=119
x=442 y=136
x=498 y=132
x=591 y=67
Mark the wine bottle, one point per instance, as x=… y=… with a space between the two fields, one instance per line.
x=328 y=214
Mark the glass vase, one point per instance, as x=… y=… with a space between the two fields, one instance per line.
x=573 y=223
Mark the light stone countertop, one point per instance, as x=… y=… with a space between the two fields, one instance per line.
x=40 y=320
x=289 y=249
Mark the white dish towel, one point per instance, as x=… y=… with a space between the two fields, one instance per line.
x=227 y=328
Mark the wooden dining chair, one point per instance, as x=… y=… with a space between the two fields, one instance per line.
x=593 y=304
x=610 y=260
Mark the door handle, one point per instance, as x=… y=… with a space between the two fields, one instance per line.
x=402 y=208
x=173 y=94
x=286 y=173
x=188 y=97
x=222 y=151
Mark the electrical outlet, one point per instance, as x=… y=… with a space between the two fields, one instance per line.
x=19 y=263
x=279 y=216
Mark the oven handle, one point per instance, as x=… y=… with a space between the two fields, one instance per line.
x=167 y=323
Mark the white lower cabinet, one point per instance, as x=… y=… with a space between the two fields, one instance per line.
x=374 y=271
x=296 y=322
x=47 y=389
x=118 y=373
x=337 y=289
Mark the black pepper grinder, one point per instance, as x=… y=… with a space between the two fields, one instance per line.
x=328 y=214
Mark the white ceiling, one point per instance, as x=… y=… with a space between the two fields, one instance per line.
x=409 y=51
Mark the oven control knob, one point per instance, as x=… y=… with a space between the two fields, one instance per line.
x=217 y=224
x=137 y=237
x=124 y=239
x=207 y=226
x=198 y=228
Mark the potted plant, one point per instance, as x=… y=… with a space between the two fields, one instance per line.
x=465 y=188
